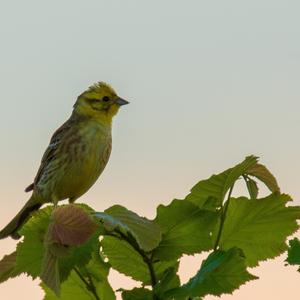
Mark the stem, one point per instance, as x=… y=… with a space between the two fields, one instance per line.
x=223 y=217
x=151 y=271
x=146 y=259
x=89 y=284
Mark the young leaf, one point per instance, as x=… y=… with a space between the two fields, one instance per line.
x=263 y=174
x=294 y=253
x=71 y=225
x=7 y=266
x=221 y=273
x=215 y=188
x=259 y=226
x=146 y=233
x=137 y=294
x=186 y=229
x=125 y=259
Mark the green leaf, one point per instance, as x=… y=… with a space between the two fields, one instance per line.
x=263 y=174
x=50 y=272
x=7 y=266
x=125 y=259
x=97 y=271
x=79 y=256
x=252 y=187
x=146 y=233
x=169 y=280
x=294 y=253
x=221 y=273
x=186 y=229
x=214 y=189
x=30 y=251
x=259 y=226
x=74 y=288
x=137 y=294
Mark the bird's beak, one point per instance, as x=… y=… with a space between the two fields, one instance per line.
x=121 y=101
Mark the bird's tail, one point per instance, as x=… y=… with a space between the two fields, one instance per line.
x=11 y=229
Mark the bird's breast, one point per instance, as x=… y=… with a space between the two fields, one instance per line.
x=88 y=155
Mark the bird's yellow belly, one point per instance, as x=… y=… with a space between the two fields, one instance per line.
x=82 y=174
x=77 y=181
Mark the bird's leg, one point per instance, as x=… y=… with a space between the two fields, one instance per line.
x=72 y=200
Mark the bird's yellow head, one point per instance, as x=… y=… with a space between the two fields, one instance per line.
x=99 y=102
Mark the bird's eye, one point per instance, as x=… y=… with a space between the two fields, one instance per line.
x=105 y=99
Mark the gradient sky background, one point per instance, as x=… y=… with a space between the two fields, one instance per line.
x=209 y=82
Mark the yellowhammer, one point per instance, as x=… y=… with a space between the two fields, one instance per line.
x=76 y=156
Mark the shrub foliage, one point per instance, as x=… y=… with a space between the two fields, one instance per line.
x=71 y=248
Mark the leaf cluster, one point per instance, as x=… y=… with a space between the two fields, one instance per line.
x=72 y=248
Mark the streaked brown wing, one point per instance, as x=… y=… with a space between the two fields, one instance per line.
x=50 y=152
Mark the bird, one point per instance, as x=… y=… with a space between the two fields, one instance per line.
x=76 y=156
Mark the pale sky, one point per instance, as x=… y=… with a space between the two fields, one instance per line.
x=209 y=82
